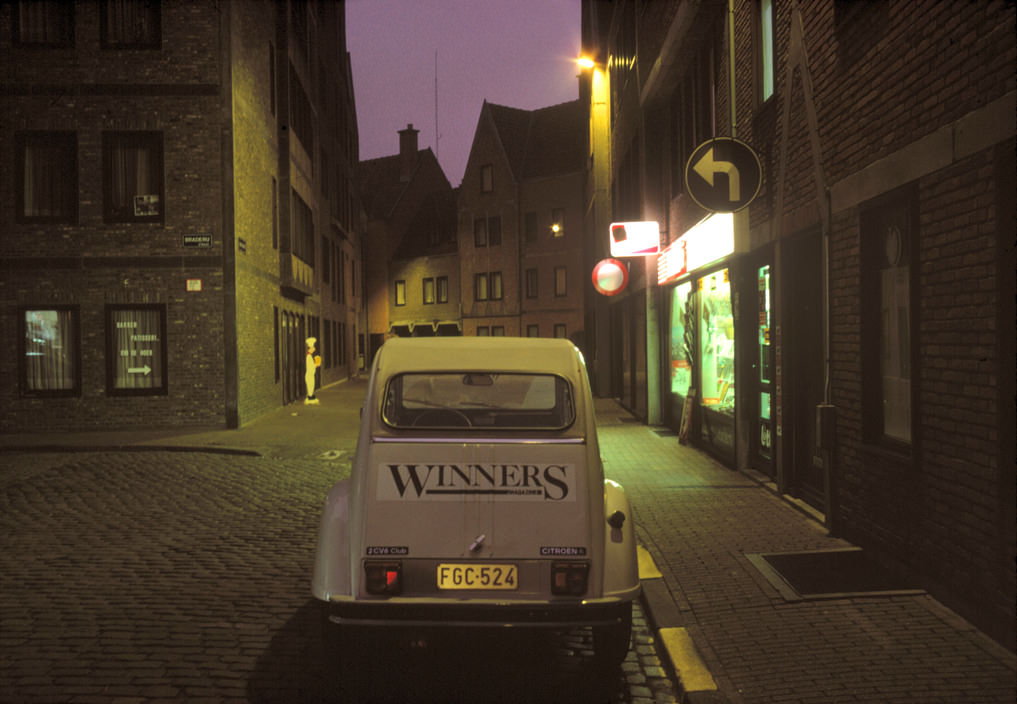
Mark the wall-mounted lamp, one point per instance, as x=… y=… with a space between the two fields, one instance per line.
x=585 y=63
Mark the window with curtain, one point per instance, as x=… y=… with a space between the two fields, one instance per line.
x=400 y=293
x=428 y=292
x=442 y=289
x=560 y=282
x=480 y=290
x=136 y=349
x=50 y=351
x=480 y=232
x=133 y=177
x=134 y=24
x=47 y=183
x=44 y=23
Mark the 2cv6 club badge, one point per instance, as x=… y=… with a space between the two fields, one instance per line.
x=477 y=497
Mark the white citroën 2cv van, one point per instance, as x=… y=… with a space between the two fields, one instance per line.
x=477 y=497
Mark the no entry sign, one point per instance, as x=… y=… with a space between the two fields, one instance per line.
x=610 y=277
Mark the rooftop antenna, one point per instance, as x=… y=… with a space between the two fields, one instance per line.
x=436 y=151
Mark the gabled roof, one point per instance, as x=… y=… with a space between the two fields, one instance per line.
x=541 y=142
x=432 y=230
x=381 y=188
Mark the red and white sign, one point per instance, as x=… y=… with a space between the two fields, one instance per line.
x=634 y=239
x=610 y=277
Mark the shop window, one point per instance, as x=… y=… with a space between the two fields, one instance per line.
x=682 y=340
x=133 y=177
x=716 y=350
x=400 y=293
x=130 y=24
x=136 y=350
x=47 y=177
x=44 y=23
x=887 y=324
x=50 y=351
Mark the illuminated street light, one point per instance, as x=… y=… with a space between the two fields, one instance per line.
x=585 y=63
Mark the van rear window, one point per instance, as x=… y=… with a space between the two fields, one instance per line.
x=478 y=400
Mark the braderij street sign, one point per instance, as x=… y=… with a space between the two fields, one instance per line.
x=723 y=175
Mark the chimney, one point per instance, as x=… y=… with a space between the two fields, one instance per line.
x=407 y=152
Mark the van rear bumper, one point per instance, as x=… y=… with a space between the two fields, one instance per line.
x=489 y=615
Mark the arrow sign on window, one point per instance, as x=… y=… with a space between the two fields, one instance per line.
x=146 y=370
x=723 y=175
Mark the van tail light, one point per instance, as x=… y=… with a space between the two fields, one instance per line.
x=569 y=578
x=384 y=578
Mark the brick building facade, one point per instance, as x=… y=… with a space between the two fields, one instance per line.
x=178 y=211
x=521 y=224
x=854 y=341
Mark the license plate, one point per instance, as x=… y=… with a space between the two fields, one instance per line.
x=477 y=576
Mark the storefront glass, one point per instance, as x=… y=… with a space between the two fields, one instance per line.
x=682 y=339
x=765 y=380
x=717 y=361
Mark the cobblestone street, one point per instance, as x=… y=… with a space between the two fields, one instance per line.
x=145 y=576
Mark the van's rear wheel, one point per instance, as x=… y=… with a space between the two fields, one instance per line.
x=611 y=643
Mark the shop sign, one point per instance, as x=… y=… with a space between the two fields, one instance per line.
x=610 y=277
x=635 y=239
x=708 y=241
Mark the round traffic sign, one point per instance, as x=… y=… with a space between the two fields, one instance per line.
x=610 y=277
x=723 y=175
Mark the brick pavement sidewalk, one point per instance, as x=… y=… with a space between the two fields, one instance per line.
x=704 y=525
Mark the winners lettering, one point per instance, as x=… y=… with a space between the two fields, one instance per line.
x=449 y=481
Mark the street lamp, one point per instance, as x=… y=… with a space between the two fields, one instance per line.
x=585 y=63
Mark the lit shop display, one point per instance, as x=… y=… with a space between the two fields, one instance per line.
x=701 y=334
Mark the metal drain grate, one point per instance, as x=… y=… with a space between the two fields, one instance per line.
x=828 y=574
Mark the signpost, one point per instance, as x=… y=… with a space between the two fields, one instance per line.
x=723 y=175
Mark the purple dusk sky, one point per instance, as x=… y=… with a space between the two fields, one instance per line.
x=519 y=53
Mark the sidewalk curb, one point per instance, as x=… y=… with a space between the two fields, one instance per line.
x=128 y=447
x=694 y=683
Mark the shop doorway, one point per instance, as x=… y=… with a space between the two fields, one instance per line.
x=803 y=373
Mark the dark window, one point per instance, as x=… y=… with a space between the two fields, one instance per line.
x=275 y=214
x=50 y=351
x=134 y=24
x=559 y=330
x=136 y=350
x=494 y=231
x=480 y=232
x=133 y=175
x=532 y=331
x=530 y=226
x=483 y=331
x=47 y=23
x=301 y=113
x=888 y=325
x=47 y=183
x=497 y=331
x=303 y=230
x=532 y=291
